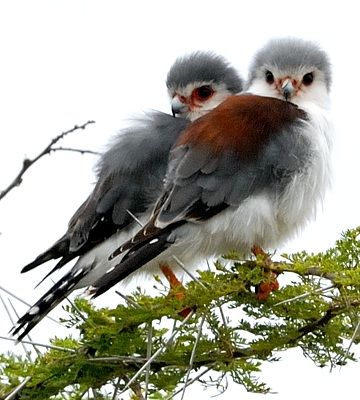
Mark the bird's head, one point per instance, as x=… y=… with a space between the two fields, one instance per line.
x=294 y=70
x=199 y=82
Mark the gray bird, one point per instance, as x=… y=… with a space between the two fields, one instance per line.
x=249 y=174
x=130 y=178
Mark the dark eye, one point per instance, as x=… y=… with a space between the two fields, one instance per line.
x=203 y=92
x=269 y=77
x=308 y=78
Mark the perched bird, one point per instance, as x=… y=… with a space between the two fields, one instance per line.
x=200 y=82
x=130 y=178
x=247 y=175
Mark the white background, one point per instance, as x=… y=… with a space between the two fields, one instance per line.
x=65 y=62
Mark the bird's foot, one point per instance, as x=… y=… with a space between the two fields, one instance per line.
x=176 y=288
x=271 y=284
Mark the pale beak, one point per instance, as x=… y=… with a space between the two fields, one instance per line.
x=287 y=88
x=177 y=107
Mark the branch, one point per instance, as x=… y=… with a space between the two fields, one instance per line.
x=81 y=151
x=27 y=163
x=320 y=321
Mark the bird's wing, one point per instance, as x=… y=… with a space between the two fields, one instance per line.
x=130 y=177
x=239 y=149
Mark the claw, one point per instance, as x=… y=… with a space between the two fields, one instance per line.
x=177 y=286
x=265 y=288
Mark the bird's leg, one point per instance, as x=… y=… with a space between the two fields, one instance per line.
x=176 y=286
x=265 y=288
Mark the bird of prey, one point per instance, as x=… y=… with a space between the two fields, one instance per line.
x=130 y=178
x=248 y=174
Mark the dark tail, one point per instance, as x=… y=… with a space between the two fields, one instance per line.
x=132 y=261
x=47 y=302
x=59 y=249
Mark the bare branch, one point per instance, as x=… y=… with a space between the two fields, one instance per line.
x=27 y=163
x=81 y=151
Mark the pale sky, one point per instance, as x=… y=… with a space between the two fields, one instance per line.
x=65 y=62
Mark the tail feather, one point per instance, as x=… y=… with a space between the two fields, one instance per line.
x=59 y=249
x=60 y=264
x=47 y=302
x=132 y=261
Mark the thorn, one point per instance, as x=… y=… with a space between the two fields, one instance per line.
x=24 y=302
x=148 y=356
x=18 y=389
x=195 y=379
x=38 y=352
x=301 y=296
x=157 y=353
x=191 y=362
x=48 y=346
x=352 y=339
x=116 y=388
x=187 y=271
x=27 y=353
x=128 y=299
x=135 y=218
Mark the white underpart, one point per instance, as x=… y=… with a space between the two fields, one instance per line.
x=98 y=256
x=220 y=94
x=262 y=219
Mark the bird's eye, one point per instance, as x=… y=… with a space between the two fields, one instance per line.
x=269 y=77
x=308 y=79
x=203 y=92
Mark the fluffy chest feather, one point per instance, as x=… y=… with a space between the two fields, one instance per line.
x=275 y=214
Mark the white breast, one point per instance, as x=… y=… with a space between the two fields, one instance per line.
x=265 y=219
x=262 y=219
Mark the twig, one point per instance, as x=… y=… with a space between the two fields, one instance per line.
x=302 y=296
x=18 y=389
x=116 y=388
x=195 y=379
x=48 y=346
x=356 y=331
x=38 y=352
x=70 y=149
x=129 y=300
x=176 y=259
x=27 y=163
x=27 y=353
x=191 y=362
x=148 y=355
x=24 y=302
x=157 y=353
x=182 y=266
x=77 y=310
x=135 y=218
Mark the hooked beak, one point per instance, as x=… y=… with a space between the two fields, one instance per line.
x=177 y=107
x=287 y=89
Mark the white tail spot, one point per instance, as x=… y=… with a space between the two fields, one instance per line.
x=34 y=310
x=63 y=285
x=110 y=269
x=48 y=298
x=153 y=241
x=78 y=272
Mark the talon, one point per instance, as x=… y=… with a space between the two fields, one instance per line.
x=176 y=288
x=265 y=288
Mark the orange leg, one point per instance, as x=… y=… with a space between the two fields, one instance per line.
x=265 y=288
x=176 y=285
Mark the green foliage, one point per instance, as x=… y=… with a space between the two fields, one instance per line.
x=112 y=343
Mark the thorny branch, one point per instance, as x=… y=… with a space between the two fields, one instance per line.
x=27 y=163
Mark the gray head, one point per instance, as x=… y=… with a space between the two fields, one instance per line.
x=292 y=69
x=199 y=82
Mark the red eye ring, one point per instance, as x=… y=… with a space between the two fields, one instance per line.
x=203 y=92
